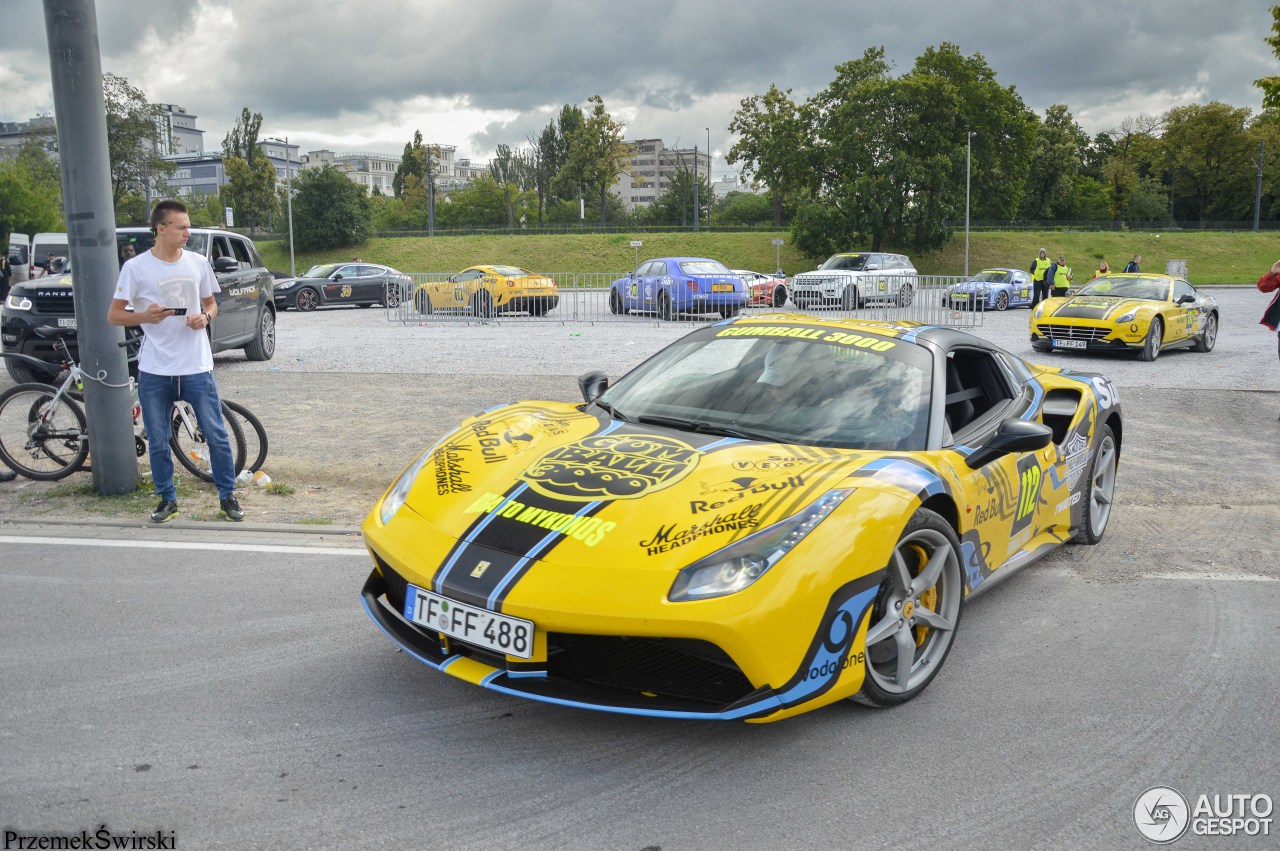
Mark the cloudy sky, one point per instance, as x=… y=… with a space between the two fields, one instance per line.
x=362 y=75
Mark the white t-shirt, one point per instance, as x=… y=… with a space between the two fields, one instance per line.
x=170 y=347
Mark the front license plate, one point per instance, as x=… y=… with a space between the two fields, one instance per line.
x=472 y=624
x=1070 y=344
x=66 y=322
x=722 y=288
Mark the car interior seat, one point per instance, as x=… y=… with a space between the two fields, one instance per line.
x=959 y=401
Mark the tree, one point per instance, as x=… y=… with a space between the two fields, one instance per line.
x=1209 y=154
x=481 y=204
x=568 y=122
x=251 y=178
x=412 y=162
x=744 y=208
x=771 y=133
x=1055 y=164
x=30 y=192
x=597 y=155
x=1134 y=146
x=545 y=160
x=1271 y=85
x=329 y=211
x=513 y=172
x=674 y=206
x=134 y=146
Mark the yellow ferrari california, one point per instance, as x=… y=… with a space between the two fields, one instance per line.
x=1135 y=312
x=488 y=290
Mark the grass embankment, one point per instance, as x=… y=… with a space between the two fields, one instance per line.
x=1212 y=257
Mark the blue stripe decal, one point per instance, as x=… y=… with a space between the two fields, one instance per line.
x=444 y=666
x=907 y=476
x=457 y=553
x=720 y=444
x=832 y=653
x=768 y=705
x=530 y=556
x=489 y=678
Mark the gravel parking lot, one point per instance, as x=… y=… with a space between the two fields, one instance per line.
x=350 y=398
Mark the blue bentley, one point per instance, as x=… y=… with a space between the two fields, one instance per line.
x=671 y=285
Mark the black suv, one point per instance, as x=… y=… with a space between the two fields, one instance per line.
x=246 y=306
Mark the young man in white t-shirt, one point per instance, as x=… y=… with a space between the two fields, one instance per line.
x=170 y=291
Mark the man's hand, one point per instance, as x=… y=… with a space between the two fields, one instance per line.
x=155 y=313
x=197 y=321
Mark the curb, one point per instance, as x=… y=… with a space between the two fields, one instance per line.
x=192 y=526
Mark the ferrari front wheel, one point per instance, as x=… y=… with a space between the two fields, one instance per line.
x=914 y=619
x=1151 y=345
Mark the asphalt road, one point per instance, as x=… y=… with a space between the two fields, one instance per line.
x=240 y=698
x=218 y=684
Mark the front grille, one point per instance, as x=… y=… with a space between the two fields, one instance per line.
x=54 y=305
x=1074 y=332
x=682 y=668
x=397 y=587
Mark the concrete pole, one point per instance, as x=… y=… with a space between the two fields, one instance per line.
x=72 y=28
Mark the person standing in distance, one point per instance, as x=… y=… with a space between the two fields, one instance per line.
x=1059 y=277
x=1270 y=282
x=1039 y=287
x=171 y=291
x=1133 y=264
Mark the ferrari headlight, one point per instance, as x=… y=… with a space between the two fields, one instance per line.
x=399 y=492
x=1128 y=317
x=735 y=567
x=1039 y=311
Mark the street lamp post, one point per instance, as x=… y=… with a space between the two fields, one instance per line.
x=288 y=176
x=710 y=195
x=968 y=163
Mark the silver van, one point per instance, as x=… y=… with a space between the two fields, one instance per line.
x=44 y=245
x=19 y=254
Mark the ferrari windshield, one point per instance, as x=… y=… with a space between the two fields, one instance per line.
x=844 y=262
x=790 y=384
x=1149 y=288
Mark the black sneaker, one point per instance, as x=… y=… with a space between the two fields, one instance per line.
x=231 y=509
x=165 y=511
x=7 y=475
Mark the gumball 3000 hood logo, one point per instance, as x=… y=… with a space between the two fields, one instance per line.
x=611 y=466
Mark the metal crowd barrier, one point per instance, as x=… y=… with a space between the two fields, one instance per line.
x=584 y=297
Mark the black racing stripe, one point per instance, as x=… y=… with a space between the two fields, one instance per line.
x=1074 y=310
x=508 y=538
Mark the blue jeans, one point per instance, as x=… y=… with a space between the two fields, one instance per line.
x=157 y=394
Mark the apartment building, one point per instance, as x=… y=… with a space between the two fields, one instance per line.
x=653 y=165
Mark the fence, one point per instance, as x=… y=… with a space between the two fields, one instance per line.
x=616 y=297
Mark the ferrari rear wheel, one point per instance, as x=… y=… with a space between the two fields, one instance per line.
x=1151 y=345
x=1100 y=489
x=1204 y=343
x=914 y=619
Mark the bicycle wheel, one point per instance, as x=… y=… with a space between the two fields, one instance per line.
x=40 y=438
x=255 y=435
x=192 y=450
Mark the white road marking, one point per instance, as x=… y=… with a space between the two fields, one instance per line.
x=185 y=545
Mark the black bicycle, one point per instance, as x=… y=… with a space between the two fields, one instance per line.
x=44 y=430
